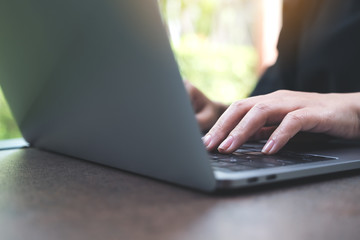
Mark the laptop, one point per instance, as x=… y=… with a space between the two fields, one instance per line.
x=97 y=80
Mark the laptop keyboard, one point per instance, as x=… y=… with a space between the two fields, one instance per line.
x=249 y=157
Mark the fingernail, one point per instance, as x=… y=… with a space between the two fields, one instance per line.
x=226 y=143
x=268 y=146
x=207 y=140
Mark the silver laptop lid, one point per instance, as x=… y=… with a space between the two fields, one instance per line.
x=96 y=79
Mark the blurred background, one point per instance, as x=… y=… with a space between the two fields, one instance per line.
x=222 y=47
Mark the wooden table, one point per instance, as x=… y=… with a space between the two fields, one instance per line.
x=48 y=196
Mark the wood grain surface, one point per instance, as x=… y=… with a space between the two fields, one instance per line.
x=48 y=196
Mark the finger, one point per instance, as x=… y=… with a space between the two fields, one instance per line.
x=248 y=116
x=300 y=120
x=263 y=113
x=227 y=121
x=235 y=114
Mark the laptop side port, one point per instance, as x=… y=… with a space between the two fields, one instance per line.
x=252 y=180
x=270 y=177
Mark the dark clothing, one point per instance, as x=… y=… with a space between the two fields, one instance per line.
x=319 y=48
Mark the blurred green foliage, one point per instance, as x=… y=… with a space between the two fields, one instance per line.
x=207 y=57
x=202 y=12
x=8 y=127
x=224 y=73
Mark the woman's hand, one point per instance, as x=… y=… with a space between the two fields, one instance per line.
x=207 y=111
x=280 y=115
